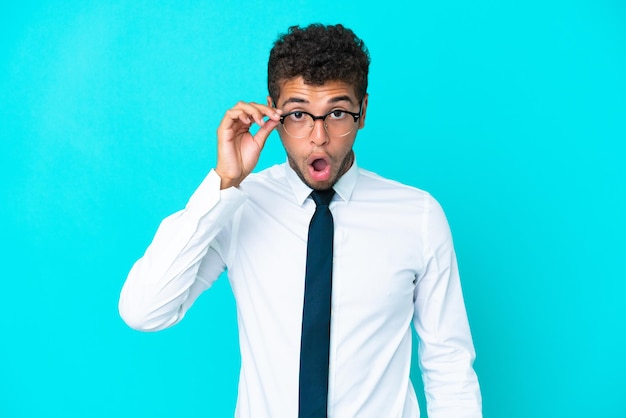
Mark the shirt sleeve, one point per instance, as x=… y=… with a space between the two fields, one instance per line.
x=185 y=257
x=446 y=351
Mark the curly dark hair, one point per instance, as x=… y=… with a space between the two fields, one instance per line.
x=319 y=54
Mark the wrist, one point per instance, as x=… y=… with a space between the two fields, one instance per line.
x=225 y=181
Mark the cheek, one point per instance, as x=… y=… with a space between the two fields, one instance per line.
x=291 y=147
x=342 y=148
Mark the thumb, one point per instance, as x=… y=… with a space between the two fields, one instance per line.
x=264 y=131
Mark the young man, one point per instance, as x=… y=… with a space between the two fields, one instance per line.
x=324 y=317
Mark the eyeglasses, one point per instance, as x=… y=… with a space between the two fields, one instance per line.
x=299 y=124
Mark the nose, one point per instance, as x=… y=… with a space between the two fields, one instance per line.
x=318 y=136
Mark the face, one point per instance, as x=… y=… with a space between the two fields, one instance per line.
x=319 y=159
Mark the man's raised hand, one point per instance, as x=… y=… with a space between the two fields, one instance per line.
x=238 y=150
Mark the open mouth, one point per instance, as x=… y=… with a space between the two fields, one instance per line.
x=319 y=164
x=319 y=169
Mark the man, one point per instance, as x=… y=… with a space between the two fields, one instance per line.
x=389 y=263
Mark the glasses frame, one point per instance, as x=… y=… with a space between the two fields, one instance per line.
x=356 y=117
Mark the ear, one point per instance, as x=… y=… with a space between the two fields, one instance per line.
x=270 y=103
x=363 y=112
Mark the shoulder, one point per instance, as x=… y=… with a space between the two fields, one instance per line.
x=400 y=200
x=270 y=182
x=267 y=177
x=414 y=206
x=372 y=186
x=276 y=171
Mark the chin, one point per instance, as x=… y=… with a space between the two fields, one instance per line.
x=317 y=185
x=322 y=186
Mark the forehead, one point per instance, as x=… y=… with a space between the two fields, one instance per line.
x=296 y=90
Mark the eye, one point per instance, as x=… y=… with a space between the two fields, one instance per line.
x=337 y=114
x=297 y=116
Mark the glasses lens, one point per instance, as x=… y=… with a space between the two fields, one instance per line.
x=336 y=123
x=298 y=124
x=339 y=123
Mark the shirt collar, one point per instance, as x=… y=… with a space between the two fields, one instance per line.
x=343 y=188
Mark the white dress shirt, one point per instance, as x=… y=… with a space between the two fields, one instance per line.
x=393 y=265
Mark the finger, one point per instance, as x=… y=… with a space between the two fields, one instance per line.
x=270 y=112
x=232 y=117
x=246 y=114
x=258 y=112
x=264 y=131
x=245 y=118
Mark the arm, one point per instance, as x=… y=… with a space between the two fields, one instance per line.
x=184 y=258
x=187 y=253
x=446 y=350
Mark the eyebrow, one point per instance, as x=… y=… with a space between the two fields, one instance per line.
x=330 y=101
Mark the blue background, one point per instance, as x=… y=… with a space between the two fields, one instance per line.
x=511 y=113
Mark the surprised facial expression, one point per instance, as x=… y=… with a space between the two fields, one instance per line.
x=319 y=158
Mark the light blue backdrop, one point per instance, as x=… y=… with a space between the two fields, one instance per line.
x=512 y=113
